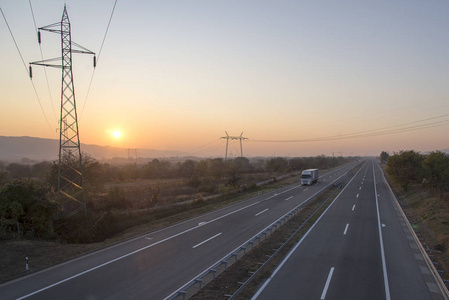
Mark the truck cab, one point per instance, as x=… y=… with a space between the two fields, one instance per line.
x=308 y=177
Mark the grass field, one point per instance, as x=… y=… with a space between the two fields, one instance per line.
x=43 y=254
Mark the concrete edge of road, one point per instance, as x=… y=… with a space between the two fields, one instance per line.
x=439 y=281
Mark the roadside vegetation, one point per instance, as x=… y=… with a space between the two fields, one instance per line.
x=124 y=201
x=421 y=182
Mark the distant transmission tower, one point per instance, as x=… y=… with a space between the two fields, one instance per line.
x=71 y=193
x=228 y=137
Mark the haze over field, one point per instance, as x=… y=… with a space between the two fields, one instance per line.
x=298 y=78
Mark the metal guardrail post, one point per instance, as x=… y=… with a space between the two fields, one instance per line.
x=200 y=281
x=183 y=293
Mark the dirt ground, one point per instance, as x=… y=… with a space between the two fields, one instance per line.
x=40 y=254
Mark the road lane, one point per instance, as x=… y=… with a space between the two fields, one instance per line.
x=349 y=240
x=303 y=273
x=409 y=276
x=155 y=264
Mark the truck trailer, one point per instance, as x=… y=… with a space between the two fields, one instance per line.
x=308 y=177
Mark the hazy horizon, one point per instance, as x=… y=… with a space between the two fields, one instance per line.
x=297 y=78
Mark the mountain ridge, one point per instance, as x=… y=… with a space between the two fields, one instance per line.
x=16 y=148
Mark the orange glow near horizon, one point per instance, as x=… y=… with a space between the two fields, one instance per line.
x=296 y=78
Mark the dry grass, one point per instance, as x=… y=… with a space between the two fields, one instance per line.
x=40 y=254
x=43 y=254
x=430 y=216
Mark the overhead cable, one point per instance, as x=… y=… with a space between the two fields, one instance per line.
x=98 y=58
x=26 y=69
x=370 y=133
x=45 y=70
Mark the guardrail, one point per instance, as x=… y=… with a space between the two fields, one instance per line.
x=253 y=275
x=196 y=284
x=210 y=273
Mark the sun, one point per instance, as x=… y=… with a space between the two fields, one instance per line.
x=116 y=134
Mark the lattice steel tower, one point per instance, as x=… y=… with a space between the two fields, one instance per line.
x=71 y=194
x=228 y=137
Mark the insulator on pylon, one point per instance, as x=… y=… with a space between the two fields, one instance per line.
x=95 y=61
x=39 y=37
x=31 y=72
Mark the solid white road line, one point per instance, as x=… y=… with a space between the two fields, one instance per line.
x=328 y=281
x=382 y=251
x=346 y=229
x=300 y=241
x=206 y=240
x=261 y=212
x=130 y=253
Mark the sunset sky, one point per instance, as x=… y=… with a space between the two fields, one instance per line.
x=298 y=78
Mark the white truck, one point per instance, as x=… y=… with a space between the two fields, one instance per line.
x=309 y=176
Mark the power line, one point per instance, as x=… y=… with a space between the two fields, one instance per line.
x=370 y=133
x=42 y=57
x=200 y=149
x=98 y=58
x=26 y=69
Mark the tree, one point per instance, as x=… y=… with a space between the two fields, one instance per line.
x=187 y=169
x=93 y=175
x=41 y=170
x=384 y=156
x=436 y=170
x=216 y=168
x=242 y=164
x=234 y=175
x=201 y=168
x=25 y=206
x=18 y=170
x=278 y=164
x=405 y=167
x=3 y=178
x=295 y=164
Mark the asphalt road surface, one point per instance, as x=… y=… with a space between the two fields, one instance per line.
x=361 y=248
x=155 y=265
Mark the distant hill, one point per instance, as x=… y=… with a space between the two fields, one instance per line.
x=16 y=149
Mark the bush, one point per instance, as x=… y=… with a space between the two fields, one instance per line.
x=26 y=208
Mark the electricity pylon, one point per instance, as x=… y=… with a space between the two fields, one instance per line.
x=71 y=194
x=228 y=137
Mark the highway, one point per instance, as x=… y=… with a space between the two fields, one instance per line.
x=155 y=265
x=361 y=248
